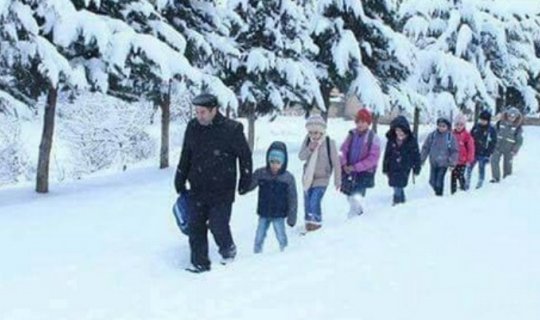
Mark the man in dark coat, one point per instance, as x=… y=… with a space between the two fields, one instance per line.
x=212 y=145
x=400 y=157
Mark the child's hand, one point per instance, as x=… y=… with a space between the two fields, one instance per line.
x=313 y=145
x=348 y=169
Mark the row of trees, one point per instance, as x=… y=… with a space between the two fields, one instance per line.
x=260 y=56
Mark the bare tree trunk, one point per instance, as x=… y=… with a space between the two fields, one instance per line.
x=476 y=112
x=416 y=123
x=42 y=180
x=251 y=127
x=326 y=90
x=165 y=106
x=375 y=125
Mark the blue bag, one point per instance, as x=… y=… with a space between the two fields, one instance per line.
x=181 y=212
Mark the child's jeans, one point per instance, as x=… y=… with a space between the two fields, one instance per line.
x=312 y=204
x=262 y=228
x=436 y=179
x=482 y=162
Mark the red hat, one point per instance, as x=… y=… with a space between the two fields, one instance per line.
x=364 y=115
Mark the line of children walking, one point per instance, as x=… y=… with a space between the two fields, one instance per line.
x=457 y=151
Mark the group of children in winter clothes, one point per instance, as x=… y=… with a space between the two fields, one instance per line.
x=354 y=167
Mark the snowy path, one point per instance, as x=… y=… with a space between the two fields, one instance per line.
x=107 y=248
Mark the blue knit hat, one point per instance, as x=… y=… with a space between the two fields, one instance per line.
x=276 y=155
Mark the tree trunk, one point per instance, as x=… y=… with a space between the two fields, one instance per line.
x=165 y=106
x=251 y=127
x=375 y=125
x=476 y=112
x=326 y=90
x=42 y=180
x=416 y=123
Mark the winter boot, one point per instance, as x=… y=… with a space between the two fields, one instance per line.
x=197 y=268
x=226 y=261
x=312 y=226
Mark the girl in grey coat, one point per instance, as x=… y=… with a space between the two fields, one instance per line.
x=442 y=149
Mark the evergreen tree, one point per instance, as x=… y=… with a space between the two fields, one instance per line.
x=274 y=68
x=360 y=53
x=38 y=68
x=479 y=53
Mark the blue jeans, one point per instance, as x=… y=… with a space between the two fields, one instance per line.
x=399 y=195
x=436 y=179
x=262 y=228
x=312 y=204
x=482 y=162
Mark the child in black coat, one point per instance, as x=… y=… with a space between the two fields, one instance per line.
x=400 y=157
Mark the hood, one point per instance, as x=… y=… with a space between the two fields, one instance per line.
x=486 y=115
x=399 y=122
x=519 y=118
x=278 y=145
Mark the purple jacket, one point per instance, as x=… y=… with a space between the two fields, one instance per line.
x=365 y=162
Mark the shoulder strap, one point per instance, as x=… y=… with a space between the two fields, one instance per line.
x=350 y=137
x=329 y=153
x=370 y=137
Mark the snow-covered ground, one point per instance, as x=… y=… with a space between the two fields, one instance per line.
x=107 y=248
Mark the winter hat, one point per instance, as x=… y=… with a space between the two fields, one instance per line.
x=316 y=123
x=206 y=100
x=364 y=115
x=276 y=155
x=460 y=119
x=445 y=121
x=485 y=115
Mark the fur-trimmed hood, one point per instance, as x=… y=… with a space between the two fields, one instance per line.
x=505 y=116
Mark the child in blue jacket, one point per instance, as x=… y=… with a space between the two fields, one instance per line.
x=277 y=201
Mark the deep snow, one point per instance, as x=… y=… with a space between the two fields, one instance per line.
x=107 y=248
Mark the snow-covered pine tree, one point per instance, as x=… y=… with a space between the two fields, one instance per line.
x=153 y=64
x=521 y=66
x=273 y=70
x=142 y=76
x=466 y=49
x=37 y=68
x=360 y=53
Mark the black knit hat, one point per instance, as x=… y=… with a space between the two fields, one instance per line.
x=206 y=100
x=485 y=115
x=445 y=121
